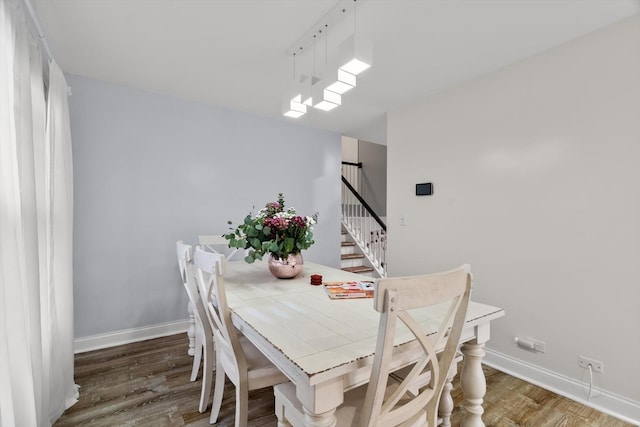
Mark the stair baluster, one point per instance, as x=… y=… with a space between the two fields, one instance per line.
x=362 y=224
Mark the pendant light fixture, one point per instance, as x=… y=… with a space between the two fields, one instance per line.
x=326 y=100
x=342 y=81
x=296 y=108
x=308 y=82
x=338 y=80
x=293 y=106
x=323 y=89
x=356 y=52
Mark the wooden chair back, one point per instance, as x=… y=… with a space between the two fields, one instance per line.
x=394 y=299
x=219 y=244
x=187 y=273
x=203 y=348
x=228 y=344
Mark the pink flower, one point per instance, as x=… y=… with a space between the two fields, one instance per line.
x=299 y=221
x=283 y=230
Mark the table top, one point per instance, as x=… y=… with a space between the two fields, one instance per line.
x=311 y=330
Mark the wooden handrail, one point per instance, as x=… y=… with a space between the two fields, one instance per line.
x=367 y=234
x=359 y=164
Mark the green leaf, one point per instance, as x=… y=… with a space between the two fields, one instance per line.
x=260 y=239
x=289 y=244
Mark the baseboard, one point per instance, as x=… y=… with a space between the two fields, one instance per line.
x=602 y=400
x=97 y=342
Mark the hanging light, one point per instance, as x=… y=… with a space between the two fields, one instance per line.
x=295 y=107
x=356 y=52
x=293 y=114
x=337 y=79
x=324 y=90
x=323 y=98
x=356 y=55
x=292 y=105
x=328 y=100
x=307 y=89
x=308 y=82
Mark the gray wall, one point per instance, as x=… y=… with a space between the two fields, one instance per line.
x=538 y=188
x=151 y=169
x=374 y=175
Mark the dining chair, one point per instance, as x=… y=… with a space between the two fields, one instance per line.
x=236 y=357
x=204 y=341
x=218 y=244
x=387 y=401
x=446 y=405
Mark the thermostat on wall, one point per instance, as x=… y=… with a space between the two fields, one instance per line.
x=425 y=189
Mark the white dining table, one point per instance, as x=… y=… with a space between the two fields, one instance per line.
x=325 y=347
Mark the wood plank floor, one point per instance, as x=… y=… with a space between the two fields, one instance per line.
x=147 y=384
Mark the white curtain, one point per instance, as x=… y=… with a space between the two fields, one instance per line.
x=36 y=216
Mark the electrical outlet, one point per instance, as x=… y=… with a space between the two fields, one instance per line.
x=531 y=345
x=539 y=346
x=596 y=365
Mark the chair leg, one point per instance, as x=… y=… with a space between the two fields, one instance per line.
x=197 y=355
x=242 y=406
x=445 y=407
x=218 y=392
x=207 y=378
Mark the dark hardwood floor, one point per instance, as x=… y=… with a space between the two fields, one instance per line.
x=147 y=384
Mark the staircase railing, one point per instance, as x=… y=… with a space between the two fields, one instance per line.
x=365 y=227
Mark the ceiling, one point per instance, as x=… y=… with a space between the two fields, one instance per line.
x=235 y=53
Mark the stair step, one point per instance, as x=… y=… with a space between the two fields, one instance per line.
x=358 y=269
x=351 y=256
x=347 y=243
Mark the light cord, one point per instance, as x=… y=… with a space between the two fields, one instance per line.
x=314 y=54
x=294 y=65
x=326 y=43
x=355 y=21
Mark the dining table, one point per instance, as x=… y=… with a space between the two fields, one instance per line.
x=325 y=346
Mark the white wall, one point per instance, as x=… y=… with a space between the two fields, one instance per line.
x=349 y=149
x=536 y=172
x=150 y=170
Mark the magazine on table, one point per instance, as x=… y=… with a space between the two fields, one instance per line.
x=346 y=290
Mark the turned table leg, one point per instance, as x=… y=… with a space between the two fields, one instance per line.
x=328 y=419
x=474 y=384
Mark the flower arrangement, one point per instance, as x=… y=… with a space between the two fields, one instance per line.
x=273 y=230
